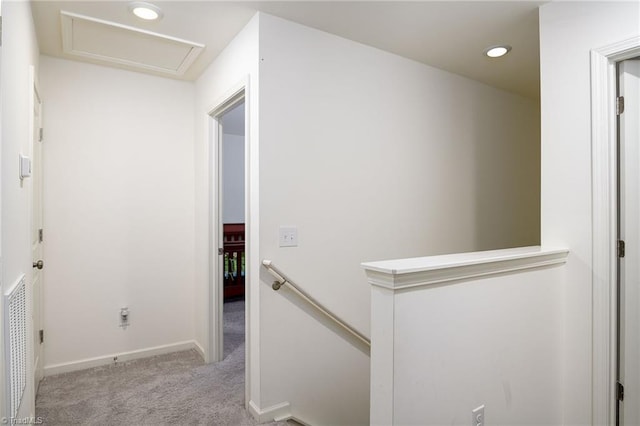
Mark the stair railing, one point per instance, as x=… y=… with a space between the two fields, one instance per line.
x=282 y=280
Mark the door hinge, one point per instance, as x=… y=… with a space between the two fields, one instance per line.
x=40 y=235
x=41 y=336
x=619 y=105
x=41 y=135
x=220 y=251
x=621 y=248
x=619 y=391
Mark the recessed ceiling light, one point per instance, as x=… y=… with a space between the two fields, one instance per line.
x=146 y=11
x=497 y=51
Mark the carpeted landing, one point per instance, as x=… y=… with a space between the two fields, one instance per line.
x=172 y=389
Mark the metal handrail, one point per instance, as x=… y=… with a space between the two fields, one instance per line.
x=283 y=280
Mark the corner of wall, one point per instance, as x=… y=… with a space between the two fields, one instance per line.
x=278 y=412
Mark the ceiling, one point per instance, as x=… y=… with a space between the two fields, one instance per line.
x=450 y=35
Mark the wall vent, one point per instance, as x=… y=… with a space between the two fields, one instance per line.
x=114 y=43
x=15 y=343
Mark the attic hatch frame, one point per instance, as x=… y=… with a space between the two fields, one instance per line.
x=604 y=224
x=68 y=21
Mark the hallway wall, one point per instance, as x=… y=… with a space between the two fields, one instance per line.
x=372 y=156
x=119 y=222
x=233 y=179
x=19 y=52
x=568 y=31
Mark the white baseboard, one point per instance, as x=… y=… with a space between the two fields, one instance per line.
x=278 y=412
x=83 y=364
x=297 y=420
x=199 y=348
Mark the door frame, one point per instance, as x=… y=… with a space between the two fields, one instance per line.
x=216 y=283
x=36 y=93
x=604 y=168
x=213 y=350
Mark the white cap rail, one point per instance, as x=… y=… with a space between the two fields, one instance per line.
x=281 y=279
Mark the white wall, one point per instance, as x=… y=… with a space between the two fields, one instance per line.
x=449 y=337
x=233 y=178
x=118 y=205
x=372 y=156
x=568 y=31
x=19 y=52
x=497 y=343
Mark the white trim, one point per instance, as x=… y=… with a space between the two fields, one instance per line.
x=83 y=364
x=294 y=418
x=426 y=271
x=199 y=349
x=382 y=391
x=278 y=412
x=604 y=207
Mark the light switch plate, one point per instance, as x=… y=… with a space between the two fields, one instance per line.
x=288 y=236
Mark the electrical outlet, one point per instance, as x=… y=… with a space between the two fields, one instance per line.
x=477 y=416
x=124 y=317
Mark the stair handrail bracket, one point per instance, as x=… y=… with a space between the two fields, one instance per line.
x=280 y=279
x=283 y=280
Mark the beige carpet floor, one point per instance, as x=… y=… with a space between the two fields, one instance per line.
x=172 y=389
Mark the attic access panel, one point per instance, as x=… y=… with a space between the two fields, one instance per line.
x=120 y=44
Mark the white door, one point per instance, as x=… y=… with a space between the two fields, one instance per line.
x=36 y=238
x=629 y=288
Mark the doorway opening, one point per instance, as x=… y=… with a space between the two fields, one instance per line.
x=232 y=211
x=228 y=229
x=604 y=198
